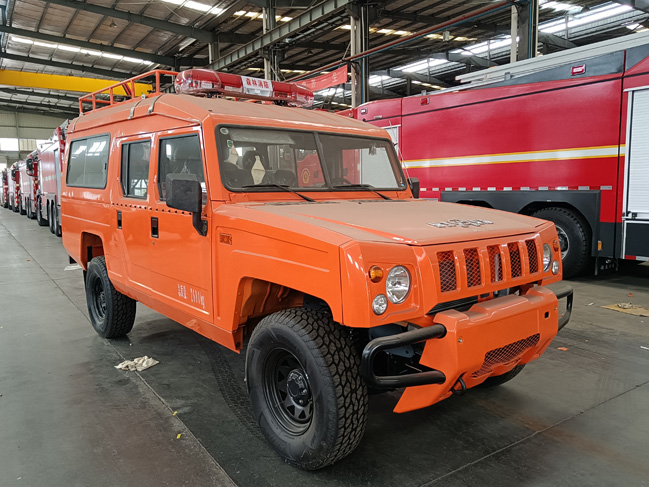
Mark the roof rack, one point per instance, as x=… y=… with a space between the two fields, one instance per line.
x=126 y=90
x=529 y=66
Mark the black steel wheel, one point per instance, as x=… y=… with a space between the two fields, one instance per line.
x=305 y=387
x=21 y=207
x=288 y=392
x=112 y=314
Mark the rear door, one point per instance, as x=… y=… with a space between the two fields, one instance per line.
x=635 y=240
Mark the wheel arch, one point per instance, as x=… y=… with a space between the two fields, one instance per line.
x=257 y=298
x=90 y=246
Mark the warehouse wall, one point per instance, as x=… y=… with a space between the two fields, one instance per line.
x=27 y=128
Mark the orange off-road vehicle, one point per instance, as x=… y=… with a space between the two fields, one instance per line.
x=296 y=232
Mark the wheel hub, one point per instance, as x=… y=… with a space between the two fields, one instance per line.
x=564 y=242
x=298 y=386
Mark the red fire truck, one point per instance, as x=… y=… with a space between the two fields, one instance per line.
x=12 y=186
x=24 y=188
x=48 y=194
x=4 y=192
x=563 y=137
x=31 y=168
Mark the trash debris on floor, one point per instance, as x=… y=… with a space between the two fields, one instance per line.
x=632 y=309
x=139 y=364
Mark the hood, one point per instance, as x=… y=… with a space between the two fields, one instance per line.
x=412 y=222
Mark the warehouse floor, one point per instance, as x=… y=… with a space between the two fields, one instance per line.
x=578 y=416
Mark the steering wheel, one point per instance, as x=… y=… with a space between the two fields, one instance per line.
x=337 y=181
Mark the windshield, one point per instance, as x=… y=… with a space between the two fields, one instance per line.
x=256 y=159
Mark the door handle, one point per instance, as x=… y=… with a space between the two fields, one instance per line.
x=119 y=219
x=154 y=226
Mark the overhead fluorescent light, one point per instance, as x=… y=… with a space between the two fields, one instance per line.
x=21 y=40
x=385 y=31
x=111 y=56
x=45 y=44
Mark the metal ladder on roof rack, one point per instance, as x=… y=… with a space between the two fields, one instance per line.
x=528 y=66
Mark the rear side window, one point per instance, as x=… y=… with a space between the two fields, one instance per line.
x=135 y=168
x=88 y=163
x=179 y=155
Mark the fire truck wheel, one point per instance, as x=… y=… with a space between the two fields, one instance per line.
x=28 y=210
x=111 y=313
x=305 y=387
x=50 y=217
x=57 y=222
x=574 y=239
x=39 y=214
x=21 y=207
x=496 y=380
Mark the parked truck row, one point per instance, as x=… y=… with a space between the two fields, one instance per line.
x=32 y=187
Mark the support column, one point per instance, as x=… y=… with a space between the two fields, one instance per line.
x=271 y=66
x=354 y=42
x=214 y=51
x=514 y=34
x=528 y=29
x=364 y=45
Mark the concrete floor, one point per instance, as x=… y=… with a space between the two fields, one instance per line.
x=575 y=417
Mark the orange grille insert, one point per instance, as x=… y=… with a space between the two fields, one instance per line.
x=496 y=263
x=515 y=258
x=532 y=256
x=473 y=276
x=447 y=275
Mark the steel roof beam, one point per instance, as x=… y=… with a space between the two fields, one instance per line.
x=61 y=109
x=553 y=40
x=282 y=32
x=184 y=30
x=429 y=20
x=51 y=96
x=154 y=58
x=393 y=73
x=109 y=73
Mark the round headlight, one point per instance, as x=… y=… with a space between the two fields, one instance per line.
x=547 y=257
x=397 y=284
x=380 y=304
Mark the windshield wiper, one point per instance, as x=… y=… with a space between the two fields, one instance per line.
x=280 y=186
x=362 y=186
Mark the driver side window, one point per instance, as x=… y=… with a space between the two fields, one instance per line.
x=180 y=155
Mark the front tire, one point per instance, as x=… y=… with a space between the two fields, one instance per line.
x=496 y=380
x=112 y=314
x=305 y=387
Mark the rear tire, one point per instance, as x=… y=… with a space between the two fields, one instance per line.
x=496 y=380
x=574 y=238
x=21 y=207
x=50 y=217
x=112 y=314
x=305 y=387
x=57 y=221
x=39 y=213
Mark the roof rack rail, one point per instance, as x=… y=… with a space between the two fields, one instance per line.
x=130 y=89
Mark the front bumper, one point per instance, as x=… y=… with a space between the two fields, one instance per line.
x=489 y=339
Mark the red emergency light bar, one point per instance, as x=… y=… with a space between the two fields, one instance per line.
x=206 y=82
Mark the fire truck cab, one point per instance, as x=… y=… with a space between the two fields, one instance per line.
x=296 y=232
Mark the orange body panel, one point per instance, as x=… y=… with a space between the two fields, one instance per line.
x=263 y=251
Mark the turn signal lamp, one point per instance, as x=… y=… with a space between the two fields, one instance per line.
x=556 y=246
x=375 y=273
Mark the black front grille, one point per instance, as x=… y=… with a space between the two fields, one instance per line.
x=472 y=261
x=532 y=255
x=506 y=354
x=515 y=258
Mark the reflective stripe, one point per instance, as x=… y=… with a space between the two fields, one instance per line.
x=514 y=157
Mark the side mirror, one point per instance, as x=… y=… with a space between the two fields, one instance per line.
x=414 y=186
x=30 y=164
x=184 y=192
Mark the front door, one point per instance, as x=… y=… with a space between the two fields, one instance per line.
x=180 y=258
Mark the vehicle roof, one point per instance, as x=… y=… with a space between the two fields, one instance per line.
x=198 y=109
